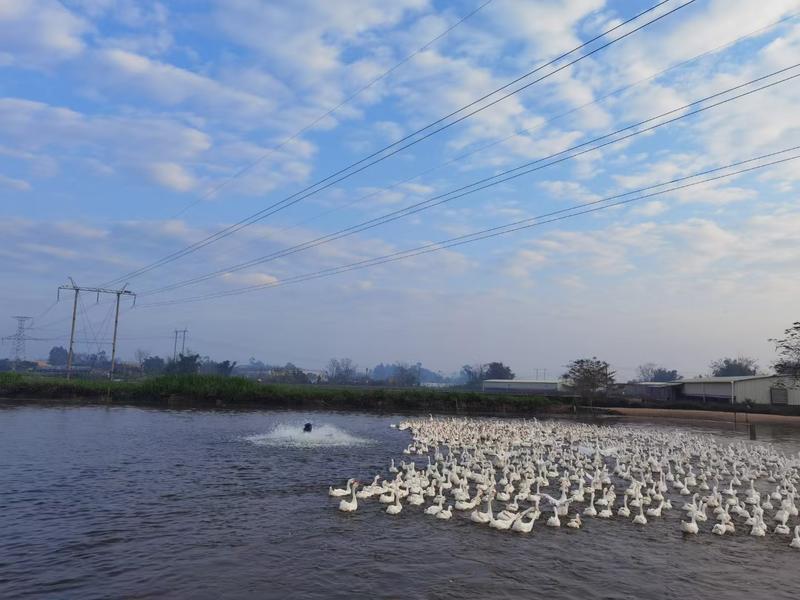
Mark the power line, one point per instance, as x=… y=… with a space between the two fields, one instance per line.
x=347 y=172
x=547 y=121
x=76 y=289
x=494 y=180
x=329 y=112
x=551 y=217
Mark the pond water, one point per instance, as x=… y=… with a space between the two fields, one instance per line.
x=100 y=502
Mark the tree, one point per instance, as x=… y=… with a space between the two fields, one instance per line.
x=289 y=374
x=153 y=365
x=187 y=364
x=404 y=375
x=225 y=368
x=663 y=375
x=731 y=367
x=342 y=370
x=589 y=377
x=788 y=348
x=473 y=374
x=58 y=356
x=497 y=370
x=141 y=356
x=652 y=372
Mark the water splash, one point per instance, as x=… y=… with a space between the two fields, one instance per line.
x=292 y=435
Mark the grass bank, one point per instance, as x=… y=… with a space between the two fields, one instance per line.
x=211 y=390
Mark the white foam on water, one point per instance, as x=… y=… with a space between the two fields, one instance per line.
x=292 y=435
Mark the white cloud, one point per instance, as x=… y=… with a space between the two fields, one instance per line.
x=171 y=175
x=19 y=185
x=80 y=230
x=172 y=86
x=132 y=143
x=39 y=33
x=650 y=209
x=245 y=279
x=572 y=191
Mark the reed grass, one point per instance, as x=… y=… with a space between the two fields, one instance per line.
x=218 y=390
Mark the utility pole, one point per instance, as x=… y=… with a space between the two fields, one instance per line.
x=183 y=333
x=114 y=340
x=95 y=290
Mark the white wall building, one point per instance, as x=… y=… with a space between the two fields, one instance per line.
x=758 y=389
x=522 y=385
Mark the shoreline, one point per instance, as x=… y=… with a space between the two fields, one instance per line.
x=209 y=392
x=737 y=418
x=215 y=392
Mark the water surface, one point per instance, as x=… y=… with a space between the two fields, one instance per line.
x=102 y=502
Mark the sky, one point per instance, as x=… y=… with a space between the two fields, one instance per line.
x=130 y=130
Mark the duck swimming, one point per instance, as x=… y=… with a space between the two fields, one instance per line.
x=512 y=465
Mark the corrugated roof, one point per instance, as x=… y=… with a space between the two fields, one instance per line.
x=726 y=379
x=520 y=381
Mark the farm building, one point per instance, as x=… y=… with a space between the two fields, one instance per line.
x=522 y=386
x=653 y=390
x=756 y=389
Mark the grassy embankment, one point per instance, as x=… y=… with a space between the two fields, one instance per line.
x=210 y=390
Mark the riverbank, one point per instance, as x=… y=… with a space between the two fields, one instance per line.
x=703 y=415
x=207 y=391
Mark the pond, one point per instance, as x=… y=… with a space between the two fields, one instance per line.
x=99 y=502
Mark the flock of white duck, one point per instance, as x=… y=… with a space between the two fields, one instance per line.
x=508 y=474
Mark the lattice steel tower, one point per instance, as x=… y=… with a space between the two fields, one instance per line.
x=19 y=338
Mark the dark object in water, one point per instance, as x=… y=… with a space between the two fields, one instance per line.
x=307 y=428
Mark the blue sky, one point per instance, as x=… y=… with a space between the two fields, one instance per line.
x=118 y=119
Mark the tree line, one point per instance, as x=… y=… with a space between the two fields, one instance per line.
x=587 y=374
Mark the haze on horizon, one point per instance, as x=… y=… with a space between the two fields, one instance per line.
x=125 y=127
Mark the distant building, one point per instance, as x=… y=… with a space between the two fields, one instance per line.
x=658 y=391
x=522 y=386
x=755 y=389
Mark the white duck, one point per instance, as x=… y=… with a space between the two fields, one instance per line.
x=624 y=511
x=655 y=511
x=434 y=508
x=781 y=528
x=690 y=526
x=522 y=525
x=396 y=507
x=446 y=513
x=338 y=492
x=590 y=511
x=477 y=516
x=759 y=528
x=502 y=524
x=575 y=522
x=352 y=504
x=795 y=543
x=719 y=529
x=554 y=521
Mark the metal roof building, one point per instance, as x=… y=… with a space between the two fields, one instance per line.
x=521 y=385
x=756 y=389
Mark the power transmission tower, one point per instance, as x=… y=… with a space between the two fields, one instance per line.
x=183 y=333
x=95 y=290
x=19 y=339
